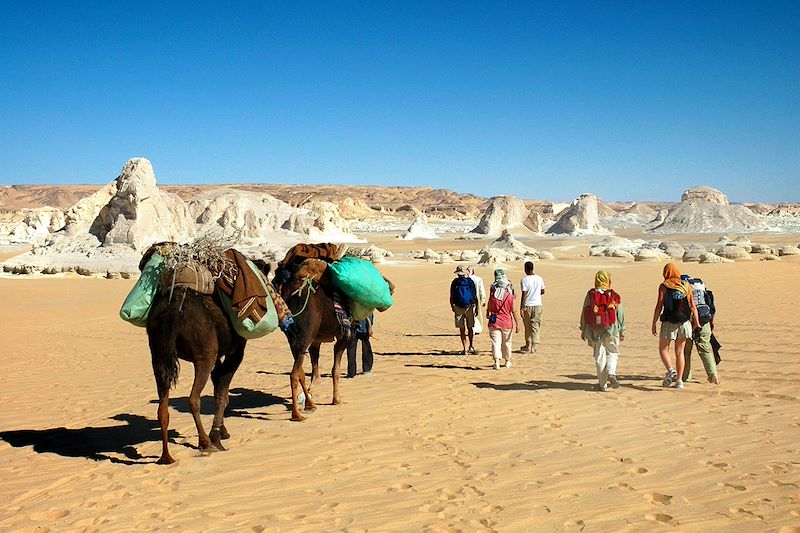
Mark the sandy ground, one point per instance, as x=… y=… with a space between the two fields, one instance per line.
x=433 y=441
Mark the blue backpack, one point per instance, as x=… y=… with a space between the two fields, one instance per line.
x=463 y=292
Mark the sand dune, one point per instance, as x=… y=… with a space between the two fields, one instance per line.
x=432 y=441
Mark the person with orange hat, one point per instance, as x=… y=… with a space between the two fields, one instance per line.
x=678 y=314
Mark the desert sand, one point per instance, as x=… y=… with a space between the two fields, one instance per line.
x=432 y=441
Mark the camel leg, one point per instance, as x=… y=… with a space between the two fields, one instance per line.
x=163 y=420
x=202 y=370
x=338 y=350
x=297 y=378
x=221 y=377
x=313 y=350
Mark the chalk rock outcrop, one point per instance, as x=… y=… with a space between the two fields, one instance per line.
x=419 y=229
x=503 y=211
x=533 y=221
x=320 y=220
x=706 y=210
x=247 y=215
x=581 y=218
x=507 y=242
x=27 y=225
x=139 y=214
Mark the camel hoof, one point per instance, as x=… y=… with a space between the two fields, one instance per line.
x=165 y=460
x=223 y=433
x=336 y=401
x=297 y=418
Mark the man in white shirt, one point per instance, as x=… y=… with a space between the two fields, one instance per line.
x=530 y=306
x=481 y=288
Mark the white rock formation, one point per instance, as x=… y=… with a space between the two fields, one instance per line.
x=320 y=221
x=714 y=258
x=140 y=214
x=734 y=252
x=251 y=216
x=507 y=242
x=419 y=229
x=503 y=211
x=706 y=210
x=581 y=218
x=25 y=226
x=533 y=221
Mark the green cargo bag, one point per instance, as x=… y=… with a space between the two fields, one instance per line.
x=136 y=307
x=362 y=282
x=247 y=328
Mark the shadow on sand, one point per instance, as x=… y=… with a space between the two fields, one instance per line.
x=117 y=444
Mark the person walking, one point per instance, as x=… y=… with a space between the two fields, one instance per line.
x=464 y=302
x=602 y=326
x=502 y=318
x=532 y=286
x=361 y=332
x=676 y=309
x=480 y=288
x=704 y=302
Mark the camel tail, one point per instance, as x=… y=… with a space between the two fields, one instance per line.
x=164 y=353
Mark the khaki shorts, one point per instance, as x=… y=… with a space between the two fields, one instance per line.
x=465 y=317
x=674 y=331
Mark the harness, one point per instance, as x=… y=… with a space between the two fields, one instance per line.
x=308 y=282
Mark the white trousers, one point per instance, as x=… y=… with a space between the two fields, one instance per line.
x=501 y=343
x=605 y=359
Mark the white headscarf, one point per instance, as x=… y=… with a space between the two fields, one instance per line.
x=501 y=284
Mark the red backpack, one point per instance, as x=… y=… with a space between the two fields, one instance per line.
x=601 y=311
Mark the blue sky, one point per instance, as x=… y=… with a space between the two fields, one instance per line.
x=629 y=100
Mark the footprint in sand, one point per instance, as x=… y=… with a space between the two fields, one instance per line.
x=789 y=529
x=659 y=517
x=431 y=508
x=620 y=486
x=400 y=487
x=778 y=483
x=552 y=426
x=740 y=488
x=743 y=511
x=637 y=470
x=658 y=498
x=52 y=515
x=580 y=524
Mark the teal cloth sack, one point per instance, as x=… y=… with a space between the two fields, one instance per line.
x=359 y=310
x=247 y=328
x=362 y=282
x=136 y=307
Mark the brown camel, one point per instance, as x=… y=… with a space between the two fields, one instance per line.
x=309 y=295
x=193 y=327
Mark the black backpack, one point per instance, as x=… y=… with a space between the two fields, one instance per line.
x=676 y=307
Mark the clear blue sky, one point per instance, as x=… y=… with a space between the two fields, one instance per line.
x=629 y=100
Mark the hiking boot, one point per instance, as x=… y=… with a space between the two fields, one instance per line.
x=670 y=378
x=367 y=373
x=614 y=381
x=679 y=384
x=471 y=351
x=524 y=349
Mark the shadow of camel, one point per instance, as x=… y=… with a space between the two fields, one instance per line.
x=239 y=400
x=94 y=443
x=430 y=352
x=105 y=443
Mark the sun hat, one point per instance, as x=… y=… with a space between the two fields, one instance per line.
x=460 y=270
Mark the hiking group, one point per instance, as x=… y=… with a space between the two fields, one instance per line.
x=685 y=308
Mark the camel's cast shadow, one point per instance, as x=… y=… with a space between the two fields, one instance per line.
x=117 y=444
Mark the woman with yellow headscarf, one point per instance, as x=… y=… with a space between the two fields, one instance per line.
x=602 y=326
x=676 y=309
